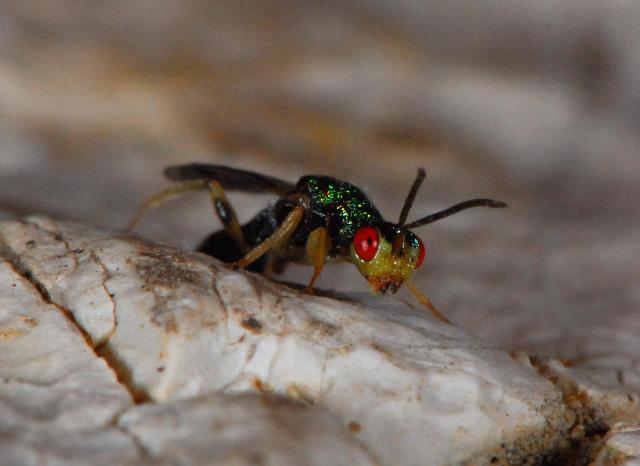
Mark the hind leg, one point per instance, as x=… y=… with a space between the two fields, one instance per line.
x=277 y=238
x=164 y=196
x=224 y=248
x=221 y=205
x=227 y=214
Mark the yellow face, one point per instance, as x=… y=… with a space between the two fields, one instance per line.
x=372 y=252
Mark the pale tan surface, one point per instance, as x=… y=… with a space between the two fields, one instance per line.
x=183 y=326
x=529 y=103
x=532 y=103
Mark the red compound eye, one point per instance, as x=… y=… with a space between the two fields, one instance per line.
x=421 y=253
x=365 y=243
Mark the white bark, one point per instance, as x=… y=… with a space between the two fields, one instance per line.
x=226 y=367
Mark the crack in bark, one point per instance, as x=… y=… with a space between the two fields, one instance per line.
x=105 y=277
x=102 y=350
x=578 y=450
x=143 y=451
x=21 y=269
x=13 y=260
x=105 y=350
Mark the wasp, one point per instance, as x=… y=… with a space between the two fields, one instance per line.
x=317 y=220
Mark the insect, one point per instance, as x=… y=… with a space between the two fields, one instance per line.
x=317 y=220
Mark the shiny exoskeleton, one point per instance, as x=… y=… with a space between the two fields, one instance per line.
x=316 y=220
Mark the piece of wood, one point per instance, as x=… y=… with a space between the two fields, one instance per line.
x=185 y=334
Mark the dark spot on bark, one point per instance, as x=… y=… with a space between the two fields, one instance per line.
x=252 y=324
x=595 y=428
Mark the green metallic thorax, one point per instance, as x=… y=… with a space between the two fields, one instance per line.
x=340 y=206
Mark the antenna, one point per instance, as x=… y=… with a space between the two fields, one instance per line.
x=396 y=248
x=454 y=210
x=408 y=202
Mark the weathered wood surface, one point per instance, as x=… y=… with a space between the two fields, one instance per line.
x=117 y=349
x=533 y=103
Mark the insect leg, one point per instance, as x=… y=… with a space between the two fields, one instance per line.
x=318 y=244
x=226 y=214
x=278 y=237
x=162 y=197
x=274 y=265
x=269 y=266
x=422 y=298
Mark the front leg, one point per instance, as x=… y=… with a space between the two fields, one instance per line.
x=422 y=298
x=317 y=248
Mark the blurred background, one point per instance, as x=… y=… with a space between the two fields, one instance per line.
x=533 y=103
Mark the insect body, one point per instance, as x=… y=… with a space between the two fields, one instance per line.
x=316 y=220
